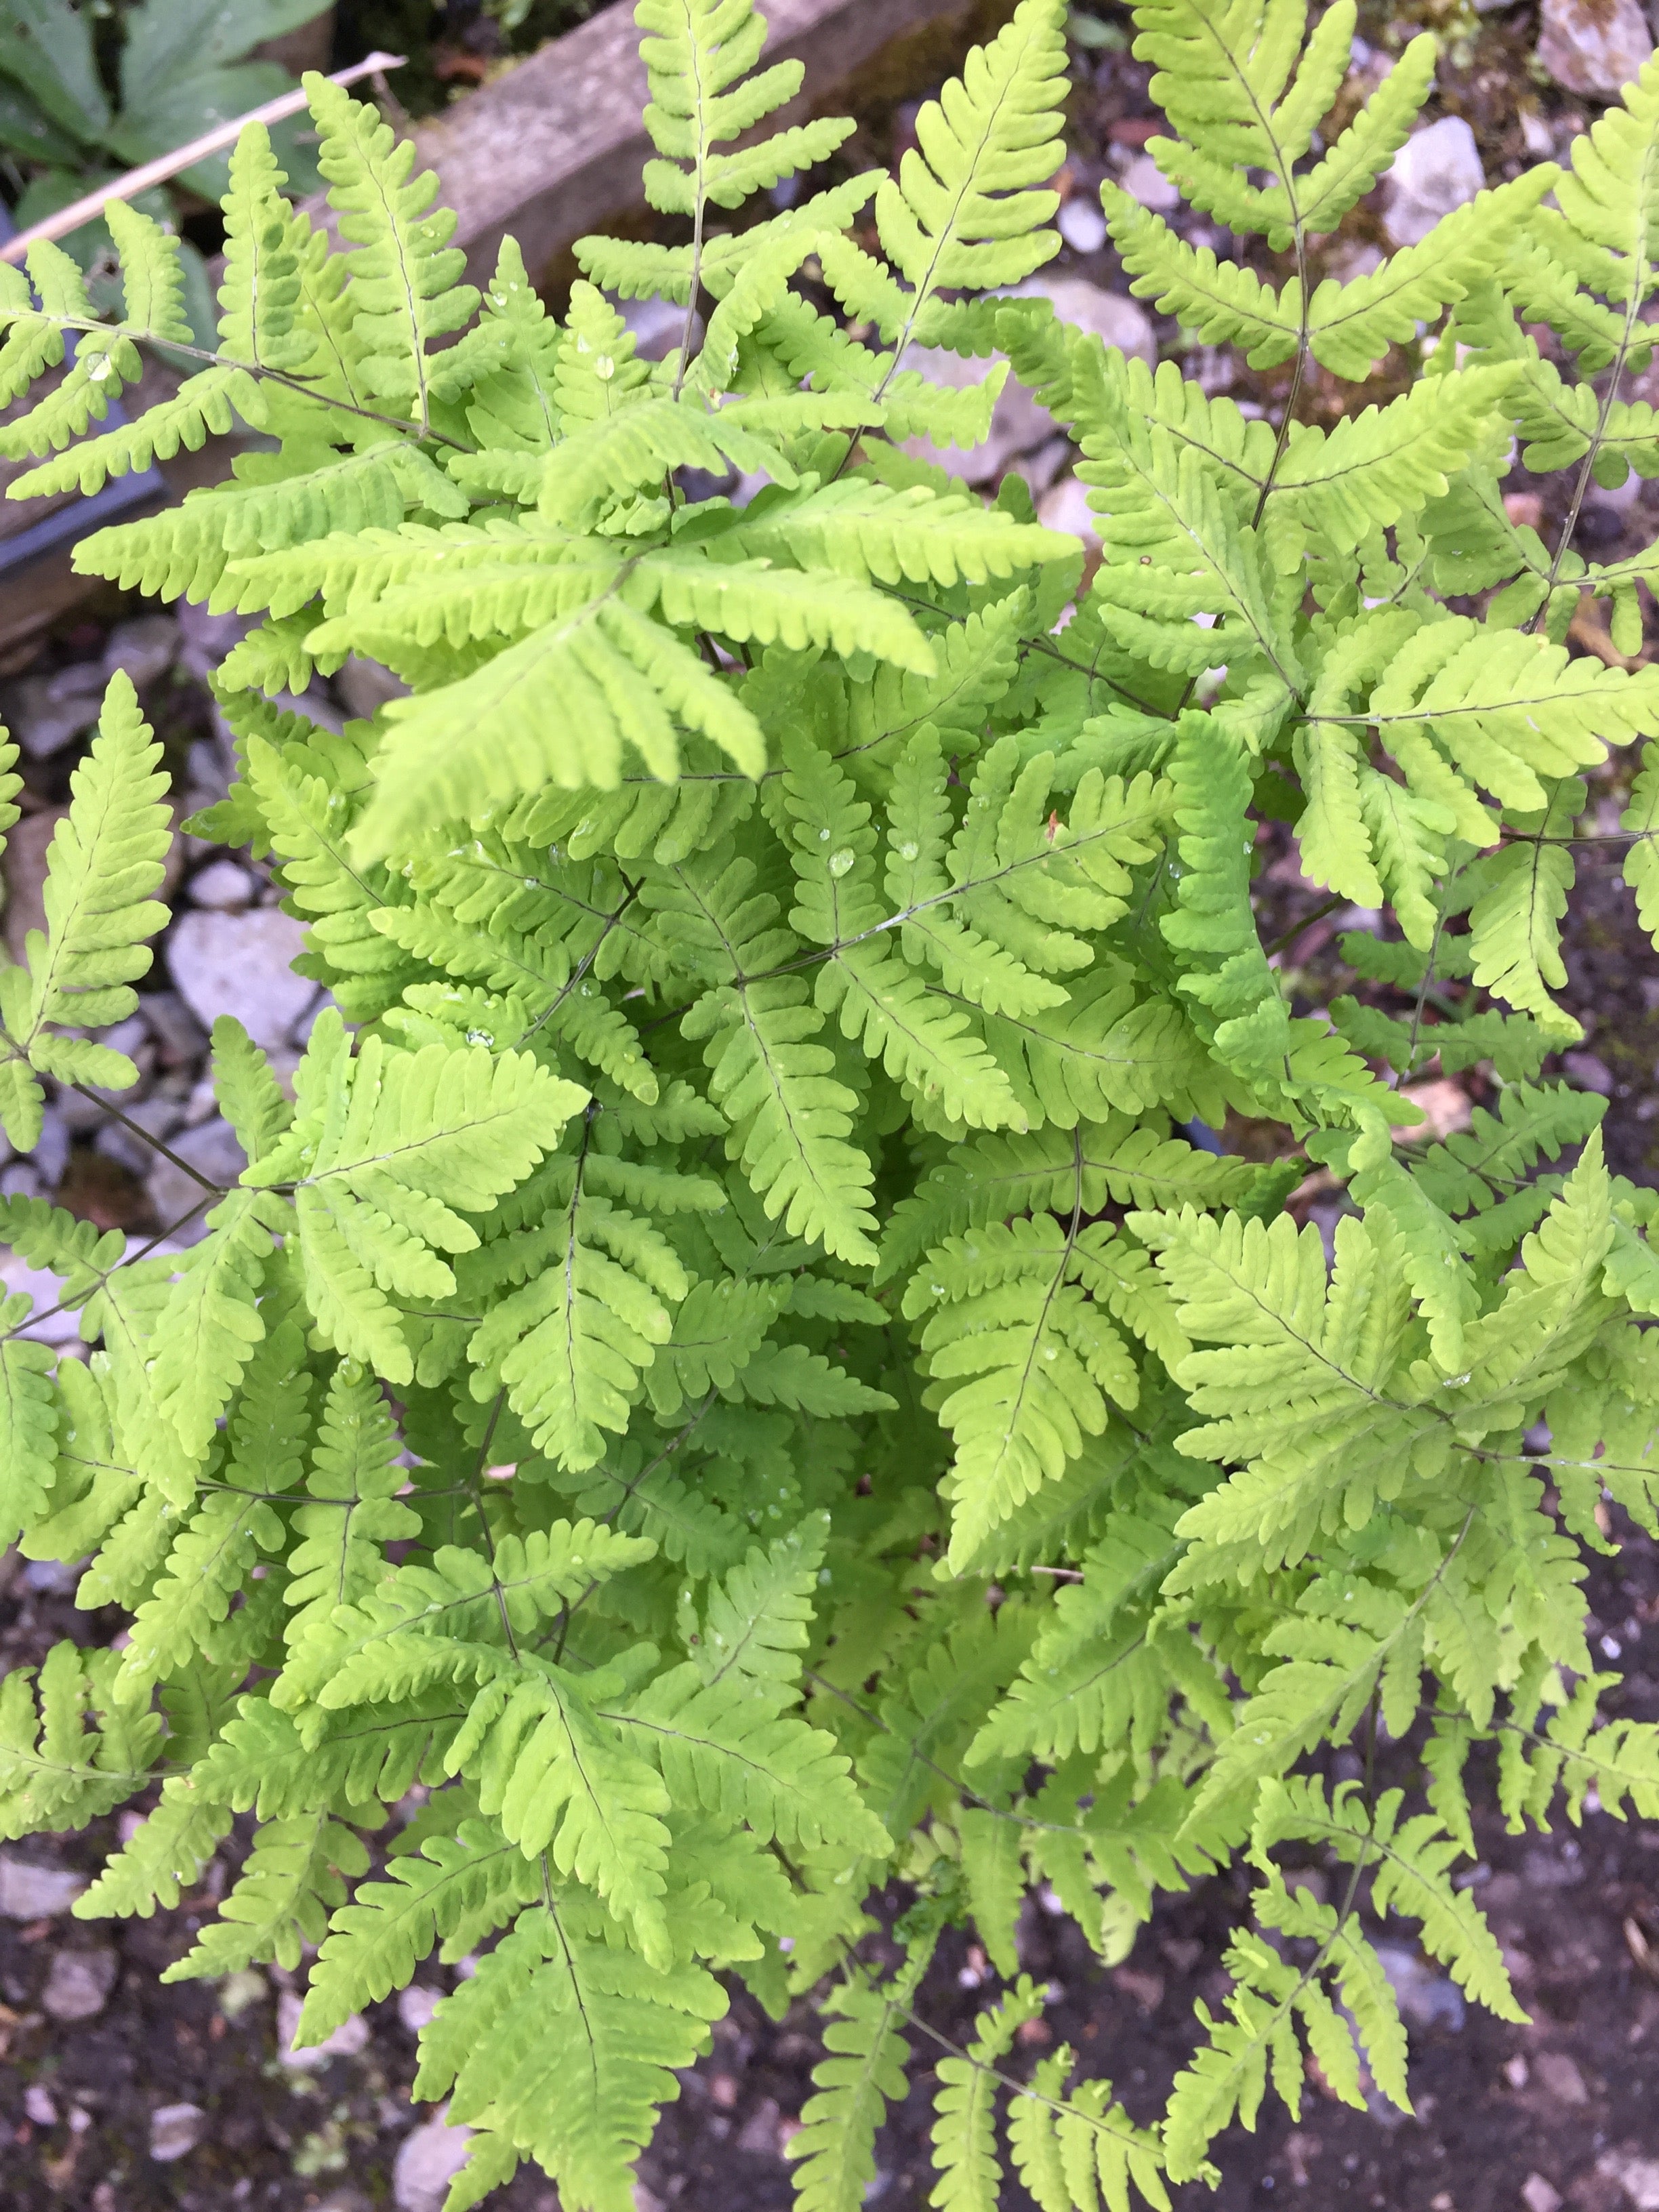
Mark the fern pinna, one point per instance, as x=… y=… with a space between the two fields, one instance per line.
x=741 y=1222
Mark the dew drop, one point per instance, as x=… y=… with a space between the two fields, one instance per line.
x=840 y=862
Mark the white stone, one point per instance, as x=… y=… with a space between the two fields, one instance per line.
x=242 y=964
x=1593 y=46
x=347 y=2041
x=428 y=2162
x=1637 y=2177
x=45 y=1289
x=1065 y=506
x=78 y=1983
x=174 y=2130
x=37 y=2103
x=416 y=2004
x=1438 y=169
x=36 y=1892
x=1145 y=181
x=1082 y=225
x=363 y=686
x=1539 y=2194
x=222 y=884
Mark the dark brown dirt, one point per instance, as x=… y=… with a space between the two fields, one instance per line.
x=1569 y=2099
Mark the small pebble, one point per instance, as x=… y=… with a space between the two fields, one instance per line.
x=35 y=1892
x=1082 y=225
x=1145 y=181
x=223 y=883
x=758 y=2136
x=175 y=2130
x=1590 y=1072
x=37 y=2103
x=1561 y=2078
x=78 y=1983
x=416 y=2004
x=427 y=2160
x=348 y=2039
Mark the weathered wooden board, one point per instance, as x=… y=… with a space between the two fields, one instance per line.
x=551 y=149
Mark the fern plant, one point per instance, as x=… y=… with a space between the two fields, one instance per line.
x=731 y=1368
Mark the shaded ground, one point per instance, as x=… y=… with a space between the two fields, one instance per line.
x=1564 y=2106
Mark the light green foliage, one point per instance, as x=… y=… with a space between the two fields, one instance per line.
x=730 y=1365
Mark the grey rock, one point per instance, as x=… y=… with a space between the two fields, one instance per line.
x=205 y=639
x=1041 y=467
x=1593 y=46
x=1438 y=169
x=1424 y=1997
x=156 y=1117
x=46 y=713
x=1112 y=317
x=78 y=1983
x=51 y=1150
x=144 y=647
x=1590 y=1072
x=427 y=2160
x=1065 y=506
x=363 y=686
x=1019 y=424
x=27 y=843
x=1561 y=2077
x=28 y=1891
x=658 y=327
x=175 y=1029
x=1145 y=181
x=58 y=1577
x=758 y=2136
x=38 y=2105
x=174 y=2131
x=242 y=964
x=212 y=1149
x=223 y=885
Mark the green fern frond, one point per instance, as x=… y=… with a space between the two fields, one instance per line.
x=104 y=859
x=403 y=291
